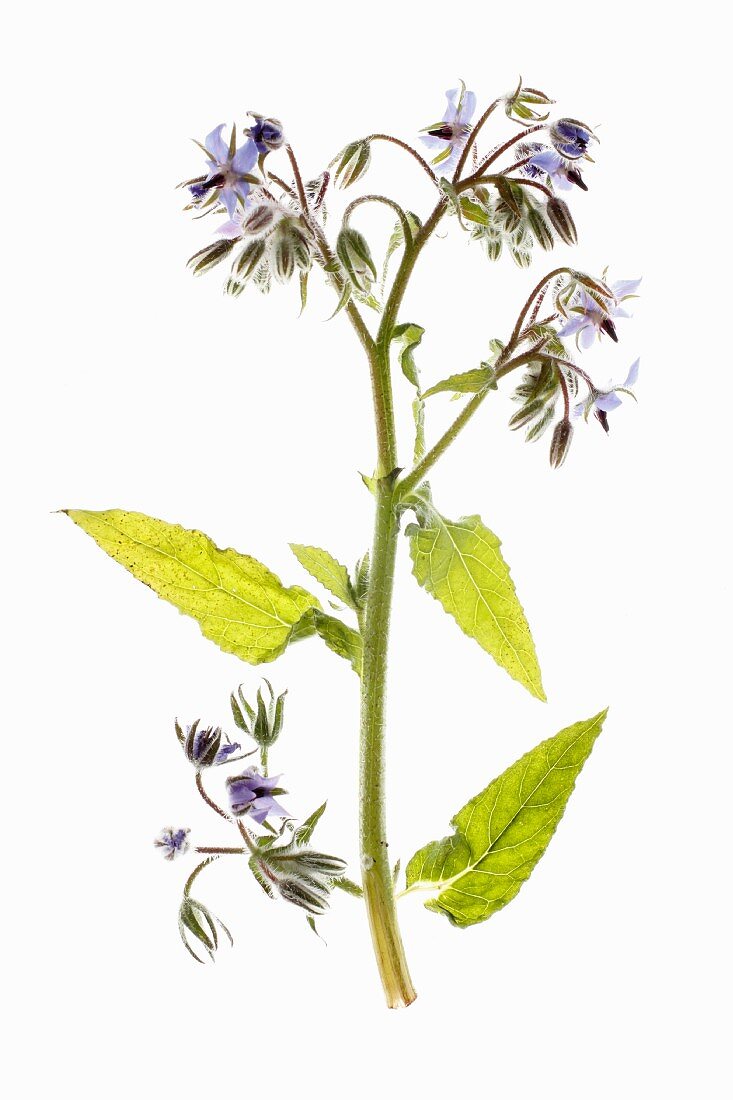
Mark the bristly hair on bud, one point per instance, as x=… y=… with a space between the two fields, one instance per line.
x=560 y=445
x=263 y=723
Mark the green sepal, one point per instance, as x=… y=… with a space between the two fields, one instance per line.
x=304 y=832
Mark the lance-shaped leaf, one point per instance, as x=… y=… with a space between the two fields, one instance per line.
x=460 y=564
x=324 y=568
x=502 y=833
x=470 y=381
x=237 y=601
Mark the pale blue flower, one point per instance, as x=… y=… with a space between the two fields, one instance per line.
x=174 y=842
x=602 y=402
x=450 y=135
x=589 y=320
x=228 y=174
x=253 y=794
x=562 y=174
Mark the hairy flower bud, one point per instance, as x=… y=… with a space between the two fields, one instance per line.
x=353 y=252
x=248 y=260
x=203 y=747
x=355 y=161
x=259 y=219
x=307 y=894
x=519 y=105
x=266 y=133
x=561 y=439
x=198 y=922
x=210 y=256
x=571 y=138
x=263 y=723
x=562 y=220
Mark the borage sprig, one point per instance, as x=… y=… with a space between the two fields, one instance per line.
x=271 y=226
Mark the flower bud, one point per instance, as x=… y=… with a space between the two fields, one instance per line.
x=248 y=260
x=540 y=228
x=210 y=256
x=561 y=439
x=282 y=254
x=353 y=252
x=259 y=219
x=562 y=220
x=203 y=747
x=197 y=922
x=355 y=161
x=305 y=893
x=266 y=133
x=571 y=138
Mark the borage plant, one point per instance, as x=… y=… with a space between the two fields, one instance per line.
x=508 y=199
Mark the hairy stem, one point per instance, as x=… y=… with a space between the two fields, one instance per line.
x=376 y=870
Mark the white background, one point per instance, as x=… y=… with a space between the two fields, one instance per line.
x=133 y=385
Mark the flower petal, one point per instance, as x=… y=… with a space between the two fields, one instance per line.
x=217 y=146
x=245 y=157
x=587 y=336
x=607 y=402
x=623 y=287
x=468 y=108
x=633 y=374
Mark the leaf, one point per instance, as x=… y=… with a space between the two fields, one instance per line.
x=502 y=833
x=339 y=638
x=237 y=601
x=470 y=381
x=408 y=336
x=460 y=564
x=324 y=568
x=305 y=831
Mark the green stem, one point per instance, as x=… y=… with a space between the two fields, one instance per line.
x=376 y=870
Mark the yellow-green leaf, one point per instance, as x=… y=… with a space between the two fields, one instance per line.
x=340 y=638
x=460 y=564
x=324 y=568
x=502 y=833
x=237 y=601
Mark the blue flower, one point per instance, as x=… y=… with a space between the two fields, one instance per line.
x=253 y=794
x=549 y=163
x=602 y=402
x=267 y=133
x=450 y=135
x=174 y=842
x=571 y=138
x=591 y=320
x=229 y=172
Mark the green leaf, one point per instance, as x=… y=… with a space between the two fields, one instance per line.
x=407 y=337
x=348 y=887
x=305 y=831
x=324 y=568
x=237 y=601
x=502 y=833
x=470 y=381
x=339 y=638
x=460 y=564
